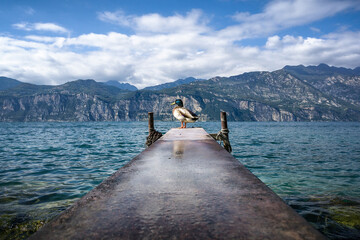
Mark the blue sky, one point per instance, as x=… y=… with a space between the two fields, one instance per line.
x=148 y=42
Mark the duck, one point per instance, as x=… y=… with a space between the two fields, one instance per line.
x=182 y=114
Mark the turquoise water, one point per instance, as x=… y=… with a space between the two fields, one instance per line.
x=46 y=167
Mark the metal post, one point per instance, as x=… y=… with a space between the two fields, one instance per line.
x=151 y=122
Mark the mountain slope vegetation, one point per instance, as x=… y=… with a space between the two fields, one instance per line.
x=294 y=93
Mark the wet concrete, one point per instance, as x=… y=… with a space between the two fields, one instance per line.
x=184 y=186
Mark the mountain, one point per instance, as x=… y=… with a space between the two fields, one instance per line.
x=295 y=93
x=81 y=100
x=342 y=83
x=357 y=71
x=321 y=69
x=266 y=96
x=173 y=84
x=123 y=86
x=6 y=83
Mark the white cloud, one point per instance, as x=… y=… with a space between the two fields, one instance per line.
x=155 y=23
x=192 y=22
x=150 y=60
x=273 y=42
x=164 y=49
x=40 y=38
x=28 y=10
x=338 y=49
x=51 y=27
x=117 y=17
x=314 y=29
x=282 y=14
x=22 y=26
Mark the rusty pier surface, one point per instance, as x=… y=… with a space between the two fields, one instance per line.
x=184 y=186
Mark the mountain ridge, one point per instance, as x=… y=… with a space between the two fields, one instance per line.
x=173 y=84
x=123 y=86
x=7 y=83
x=342 y=83
x=294 y=93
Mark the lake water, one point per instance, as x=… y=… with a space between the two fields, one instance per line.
x=46 y=167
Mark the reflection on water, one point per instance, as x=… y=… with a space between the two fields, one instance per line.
x=46 y=167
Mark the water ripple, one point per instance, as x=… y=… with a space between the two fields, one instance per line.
x=314 y=167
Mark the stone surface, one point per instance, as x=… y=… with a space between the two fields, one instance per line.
x=184 y=186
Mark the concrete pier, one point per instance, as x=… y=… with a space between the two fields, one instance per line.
x=184 y=186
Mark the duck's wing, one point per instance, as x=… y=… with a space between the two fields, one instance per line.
x=187 y=113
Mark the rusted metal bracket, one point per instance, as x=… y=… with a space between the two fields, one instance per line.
x=223 y=135
x=153 y=134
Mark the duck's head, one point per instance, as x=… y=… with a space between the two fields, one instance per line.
x=178 y=102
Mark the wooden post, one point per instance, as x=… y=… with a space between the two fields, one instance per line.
x=153 y=134
x=151 y=121
x=225 y=132
x=224 y=128
x=223 y=135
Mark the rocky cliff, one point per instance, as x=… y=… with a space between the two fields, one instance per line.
x=288 y=94
x=337 y=82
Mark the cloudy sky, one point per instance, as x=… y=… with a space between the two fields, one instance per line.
x=148 y=42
